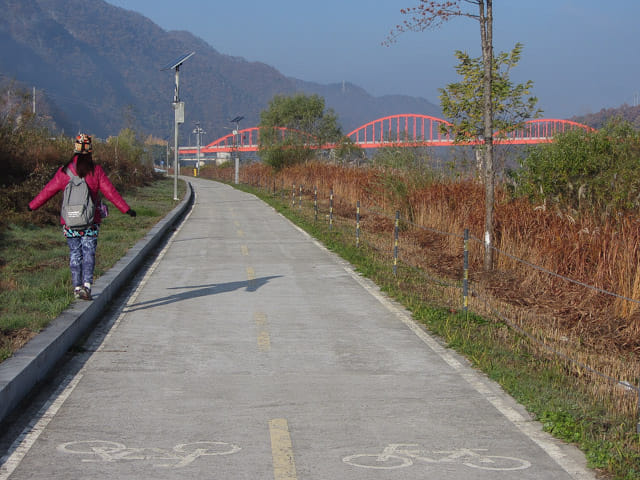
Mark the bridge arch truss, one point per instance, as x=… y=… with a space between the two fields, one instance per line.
x=541 y=130
x=404 y=130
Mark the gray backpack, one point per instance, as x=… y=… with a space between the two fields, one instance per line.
x=78 y=208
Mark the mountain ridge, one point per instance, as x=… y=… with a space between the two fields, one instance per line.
x=599 y=119
x=102 y=70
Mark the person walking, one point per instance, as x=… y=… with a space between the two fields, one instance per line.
x=82 y=241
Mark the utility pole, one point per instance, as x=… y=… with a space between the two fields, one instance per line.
x=34 y=101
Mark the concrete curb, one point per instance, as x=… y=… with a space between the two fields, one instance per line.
x=20 y=373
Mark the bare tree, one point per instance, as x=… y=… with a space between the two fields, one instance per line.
x=431 y=14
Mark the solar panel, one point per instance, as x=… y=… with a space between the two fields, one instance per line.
x=178 y=61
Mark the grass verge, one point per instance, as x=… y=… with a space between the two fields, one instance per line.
x=35 y=282
x=546 y=386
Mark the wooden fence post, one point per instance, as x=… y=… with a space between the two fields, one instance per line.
x=331 y=210
x=358 y=224
x=465 y=280
x=315 y=203
x=395 y=243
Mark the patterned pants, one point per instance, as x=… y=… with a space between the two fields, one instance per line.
x=82 y=258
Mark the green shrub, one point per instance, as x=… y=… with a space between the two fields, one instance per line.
x=597 y=171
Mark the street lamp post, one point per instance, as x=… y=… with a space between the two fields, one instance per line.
x=235 y=143
x=199 y=132
x=178 y=109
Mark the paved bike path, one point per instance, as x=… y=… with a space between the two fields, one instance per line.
x=250 y=352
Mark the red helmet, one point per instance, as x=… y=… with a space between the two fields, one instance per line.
x=82 y=144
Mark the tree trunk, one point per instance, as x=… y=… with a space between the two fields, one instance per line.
x=486 y=32
x=479 y=154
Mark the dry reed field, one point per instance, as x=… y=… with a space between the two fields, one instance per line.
x=555 y=294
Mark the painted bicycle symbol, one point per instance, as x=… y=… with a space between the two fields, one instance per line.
x=179 y=456
x=399 y=455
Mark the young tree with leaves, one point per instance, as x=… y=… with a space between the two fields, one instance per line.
x=462 y=102
x=307 y=124
x=431 y=14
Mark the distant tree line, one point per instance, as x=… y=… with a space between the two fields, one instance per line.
x=625 y=113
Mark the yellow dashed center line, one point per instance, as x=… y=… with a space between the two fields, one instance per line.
x=284 y=467
x=251 y=278
x=260 y=318
x=251 y=274
x=264 y=338
x=264 y=341
x=245 y=250
x=240 y=233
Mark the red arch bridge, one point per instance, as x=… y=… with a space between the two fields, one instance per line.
x=405 y=130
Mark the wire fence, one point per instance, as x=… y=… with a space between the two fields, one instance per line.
x=297 y=194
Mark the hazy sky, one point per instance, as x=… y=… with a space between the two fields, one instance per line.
x=582 y=55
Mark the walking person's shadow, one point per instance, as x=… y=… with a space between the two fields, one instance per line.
x=196 y=291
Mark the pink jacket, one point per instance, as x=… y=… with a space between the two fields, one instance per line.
x=97 y=182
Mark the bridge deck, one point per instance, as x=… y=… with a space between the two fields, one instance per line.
x=406 y=130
